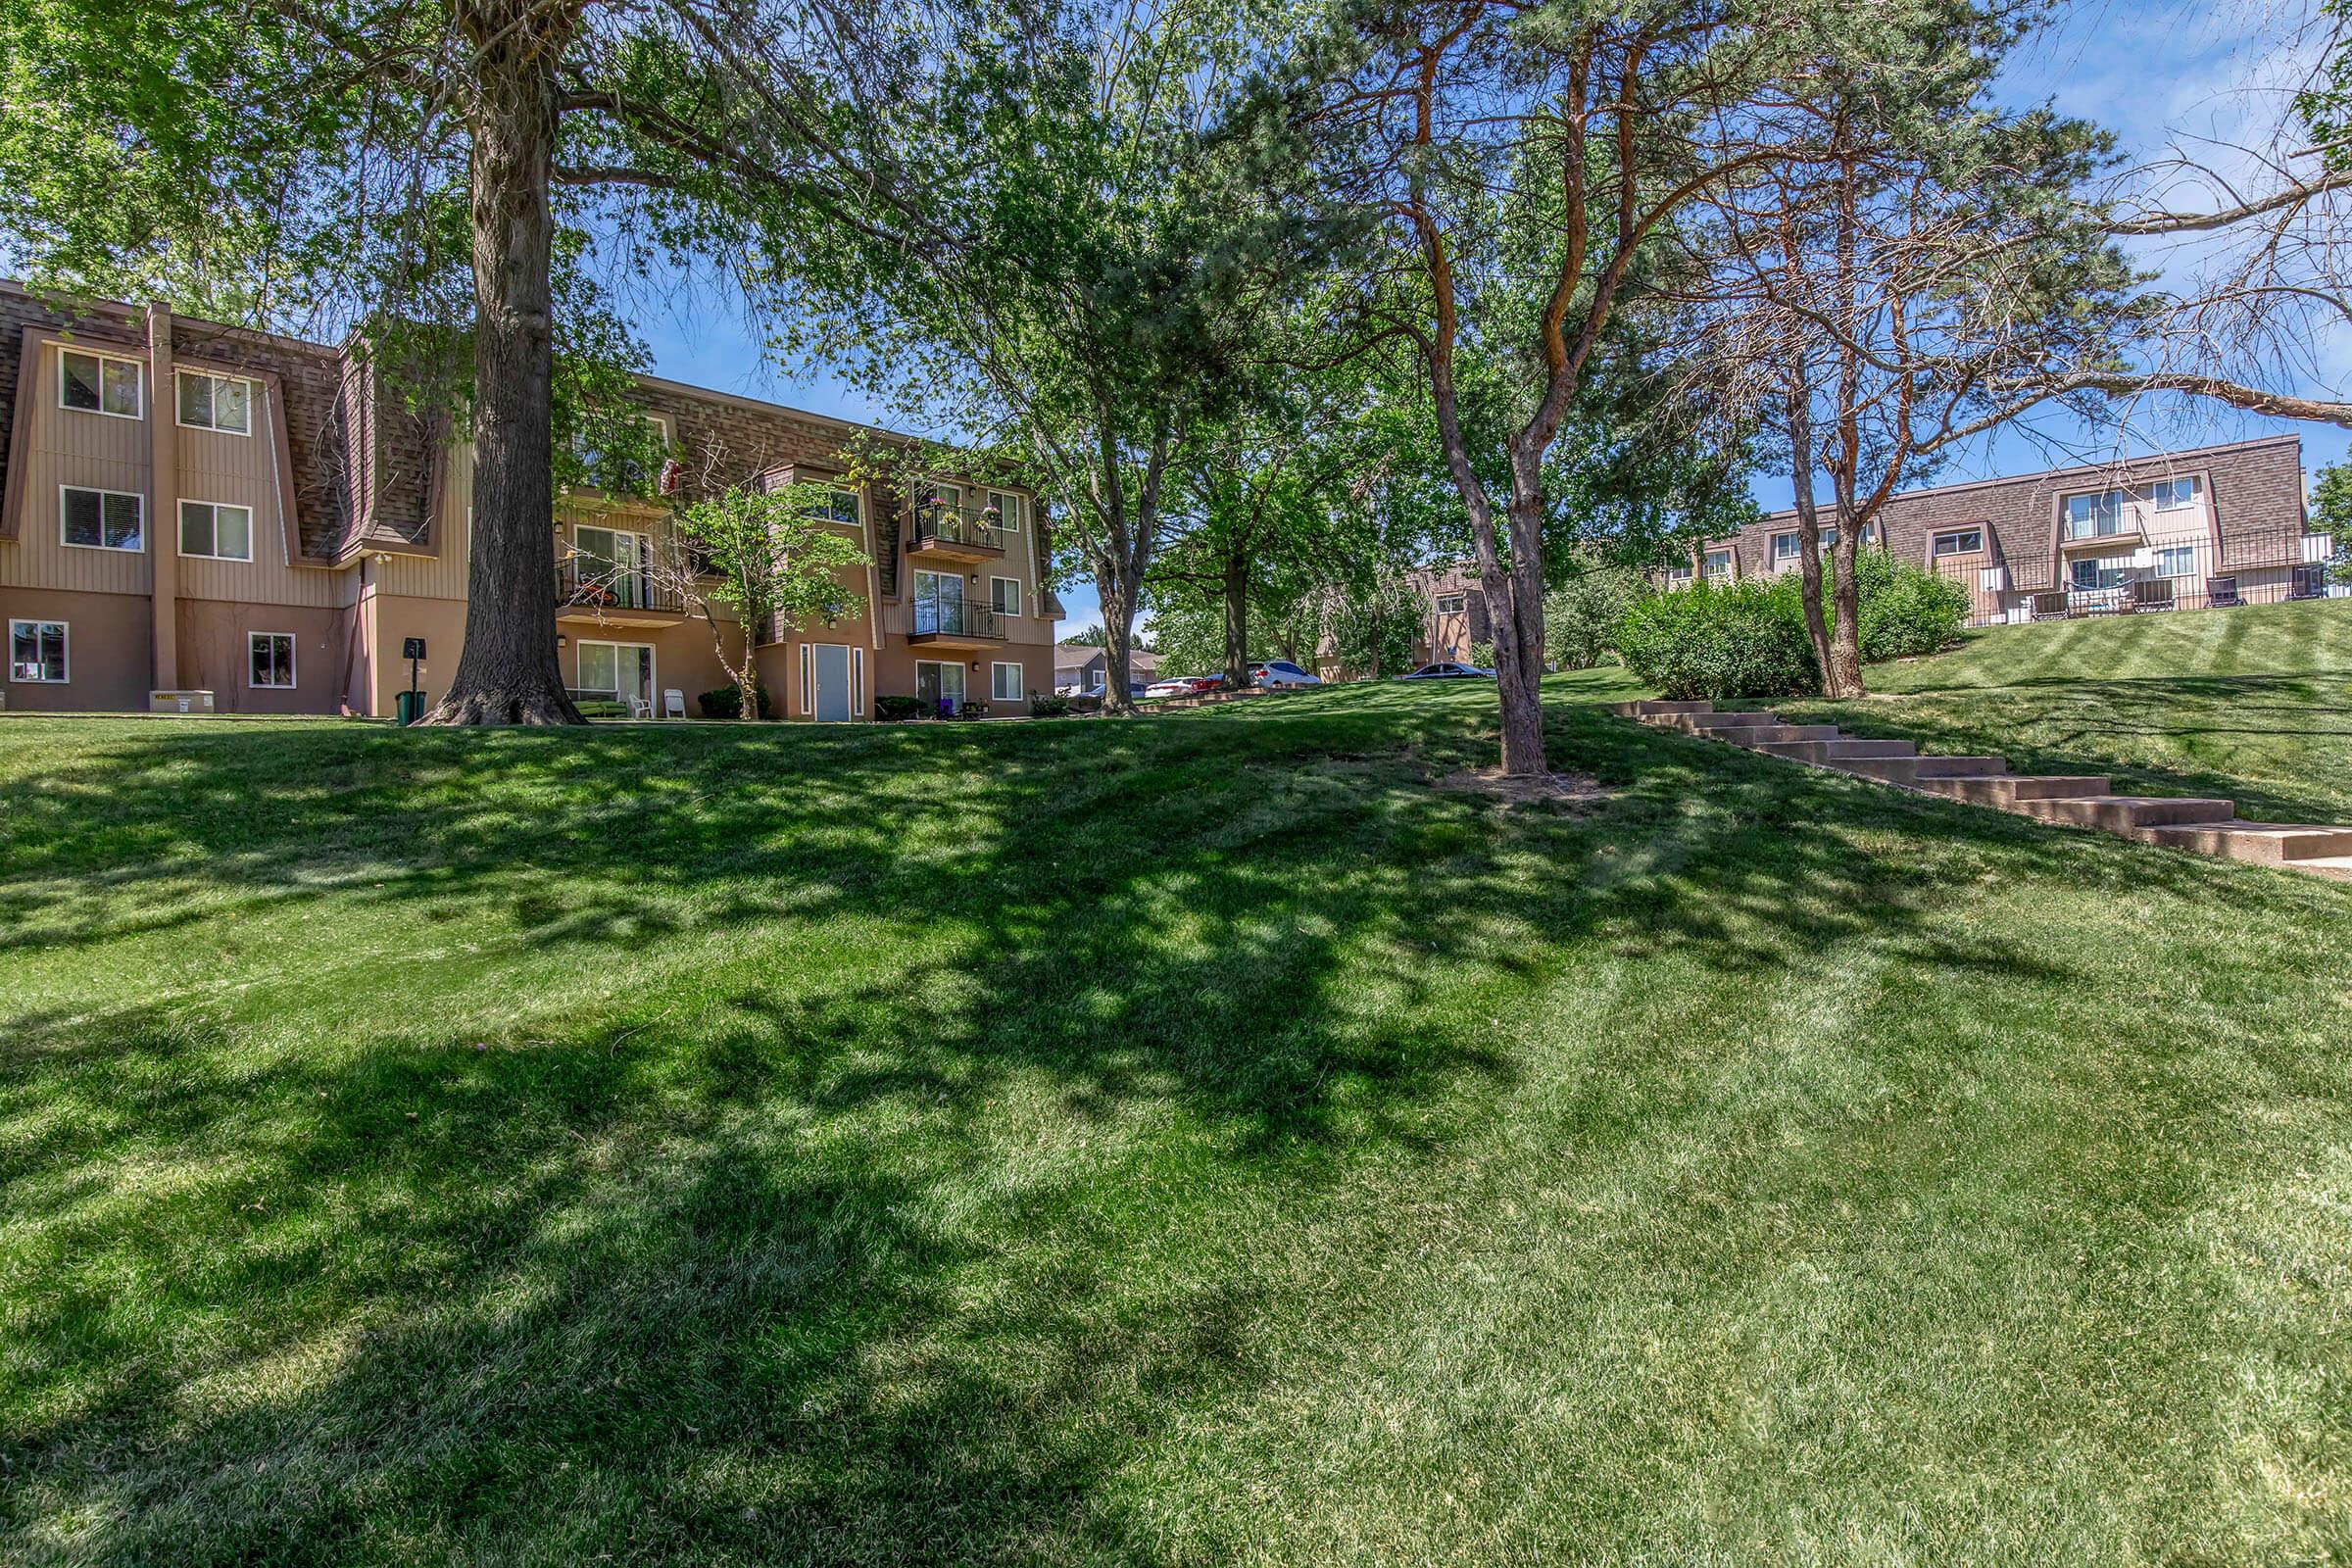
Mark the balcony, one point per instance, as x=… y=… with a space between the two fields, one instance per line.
x=955 y=623
x=588 y=589
x=2103 y=533
x=939 y=532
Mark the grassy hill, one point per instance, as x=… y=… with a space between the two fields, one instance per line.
x=2252 y=704
x=1179 y=1141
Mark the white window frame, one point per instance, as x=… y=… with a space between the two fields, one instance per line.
x=1460 y=603
x=293 y=652
x=1936 y=550
x=139 y=368
x=1713 y=556
x=64 y=490
x=996 y=673
x=2165 y=495
x=65 y=637
x=1008 y=510
x=218 y=507
x=996 y=600
x=2188 y=553
x=211 y=402
x=856 y=517
x=950 y=495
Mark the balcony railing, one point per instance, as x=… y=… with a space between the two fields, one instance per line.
x=938 y=525
x=957 y=619
x=595 y=584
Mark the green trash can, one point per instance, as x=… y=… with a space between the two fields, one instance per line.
x=408 y=707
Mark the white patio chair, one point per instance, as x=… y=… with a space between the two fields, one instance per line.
x=641 y=707
x=673 y=704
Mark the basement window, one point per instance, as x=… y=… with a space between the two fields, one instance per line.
x=36 y=651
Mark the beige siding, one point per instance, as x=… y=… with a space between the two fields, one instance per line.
x=243 y=472
x=68 y=446
x=440 y=577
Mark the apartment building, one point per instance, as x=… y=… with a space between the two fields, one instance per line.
x=198 y=518
x=2215 y=526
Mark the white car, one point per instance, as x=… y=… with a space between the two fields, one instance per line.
x=1276 y=672
x=1184 y=685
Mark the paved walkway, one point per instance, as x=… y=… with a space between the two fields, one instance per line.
x=2204 y=824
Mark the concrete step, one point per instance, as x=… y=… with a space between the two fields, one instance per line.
x=2271 y=843
x=1840 y=750
x=1717 y=723
x=2005 y=790
x=1760 y=735
x=2338 y=866
x=1962 y=767
x=2127 y=813
x=1650 y=709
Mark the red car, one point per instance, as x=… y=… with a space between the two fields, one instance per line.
x=1185 y=686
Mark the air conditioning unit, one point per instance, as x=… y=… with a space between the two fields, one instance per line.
x=1994 y=579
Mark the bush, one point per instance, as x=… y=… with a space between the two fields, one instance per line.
x=1581 y=617
x=1717 y=642
x=1049 y=706
x=1906 y=610
x=727 y=703
x=893 y=710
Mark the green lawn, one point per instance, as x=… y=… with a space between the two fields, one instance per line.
x=1190 y=1140
x=2252 y=704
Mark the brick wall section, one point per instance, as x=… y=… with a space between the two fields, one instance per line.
x=2256 y=486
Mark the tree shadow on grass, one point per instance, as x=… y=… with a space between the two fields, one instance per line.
x=882 y=1262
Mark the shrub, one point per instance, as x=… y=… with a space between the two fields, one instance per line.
x=1049 y=706
x=892 y=710
x=1716 y=642
x=1581 y=617
x=1906 y=610
x=727 y=703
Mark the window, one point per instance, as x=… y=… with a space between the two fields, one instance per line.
x=100 y=383
x=1451 y=604
x=2092 y=575
x=206 y=528
x=272 y=658
x=937 y=493
x=2179 y=562
x=616 y=459
x=2173 y=495
x=36 y=650
x=1788 y=548
x=215 y=402
x=1961 y=542
x=1008 y=508
x=103 y=519
x=1719 y=563
x=1005 y=682
x=838 y=506
x=2091 y=516
x=1005 y=595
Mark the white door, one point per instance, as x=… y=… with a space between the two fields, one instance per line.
x=829 y=675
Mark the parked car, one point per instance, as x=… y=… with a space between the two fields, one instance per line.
x=1278 y=672
x=1184 y=685
x=1448 y=670
x=1099 y=690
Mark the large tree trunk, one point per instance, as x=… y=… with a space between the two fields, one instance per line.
x=508 y=672
x=1118 y=598
x=1808 y=519
x=1236 y=620
x=1842 y=677
x=1516 y=621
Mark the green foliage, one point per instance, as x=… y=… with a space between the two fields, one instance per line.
x=1581 y=617
x=895 y=708
x=1049 y=706
x=2331 y=514
x=1088 y=637
x=1373 y=630
x=1718 y=642
x=773 y=555
x=1483 y=655
x=727 y=703
x=1748 y=638
x=1906 y=610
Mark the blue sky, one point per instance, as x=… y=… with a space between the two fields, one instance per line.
x=2160 y=74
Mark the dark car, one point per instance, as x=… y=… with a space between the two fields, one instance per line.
x=1448 y=670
